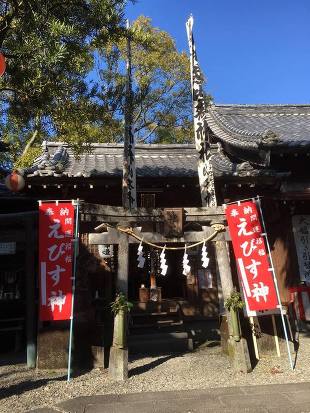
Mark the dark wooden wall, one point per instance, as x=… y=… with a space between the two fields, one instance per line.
x=169 y=192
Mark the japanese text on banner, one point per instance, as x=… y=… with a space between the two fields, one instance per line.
x=56 y=230
x=251 y=256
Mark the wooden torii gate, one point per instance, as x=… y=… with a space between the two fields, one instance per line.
x=210 y=220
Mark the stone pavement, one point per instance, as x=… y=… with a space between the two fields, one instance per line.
x=273 y=398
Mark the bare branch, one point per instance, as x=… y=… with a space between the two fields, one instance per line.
x=29 y=143
x=138 y=115
x=142 y=140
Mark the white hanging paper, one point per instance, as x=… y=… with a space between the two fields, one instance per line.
x=204 y=256
x=163 y=265
x=140 y=259
x=186 y=267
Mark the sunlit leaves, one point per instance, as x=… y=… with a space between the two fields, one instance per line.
x=161 y=83
x=49 y=49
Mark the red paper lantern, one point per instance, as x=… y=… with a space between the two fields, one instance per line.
x=15 y=182
x=2 y=64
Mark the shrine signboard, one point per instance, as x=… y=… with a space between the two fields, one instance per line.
x=173 y=222
x=249 y=246
x=56 y=231
x=301 y=230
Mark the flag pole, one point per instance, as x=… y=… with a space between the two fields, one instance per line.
x=129 y=185
x=75 y=254
x=258 y=202
x=205 y=170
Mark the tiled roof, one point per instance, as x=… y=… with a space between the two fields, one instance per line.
x=224 y=167
x=152 y=160
x=261 y=126
x=245 y=135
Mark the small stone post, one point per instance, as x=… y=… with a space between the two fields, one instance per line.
x=118 y=365
x=235 y=324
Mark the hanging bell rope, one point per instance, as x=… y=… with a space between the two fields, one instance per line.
x=130 y=232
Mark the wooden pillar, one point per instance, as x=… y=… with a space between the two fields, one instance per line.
x=118 y=362
x=123 y=264
x=30 y=293
x=238 y=351
x=225 y=275
x=223 y=263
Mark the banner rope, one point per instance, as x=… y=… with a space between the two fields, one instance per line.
x=130 y=232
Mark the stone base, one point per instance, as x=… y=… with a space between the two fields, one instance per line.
x=118 y=364
x=239 y=355
x=98 y=356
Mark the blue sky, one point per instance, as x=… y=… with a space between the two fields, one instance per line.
x=251 y=51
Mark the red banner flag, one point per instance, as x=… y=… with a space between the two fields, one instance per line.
x=252 y=260
x=2 y=64
x=56 y=231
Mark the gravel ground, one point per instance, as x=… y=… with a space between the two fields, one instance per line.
x=22 y=389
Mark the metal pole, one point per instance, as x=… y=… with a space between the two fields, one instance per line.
x=76 y=235
x=243 y=200
x=276 y=284
x=30 y=294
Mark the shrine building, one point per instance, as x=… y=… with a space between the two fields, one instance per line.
x=254 y=150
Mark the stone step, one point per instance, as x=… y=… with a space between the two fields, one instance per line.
x=153 y=306
x=158 y=336
x=158 y=329
x=154 y=318
x=144 y=314
x=164 y=345
x=157 y=324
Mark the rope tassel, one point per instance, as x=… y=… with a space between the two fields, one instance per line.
x=163 y=265
x=204 y=256
x=186 y=266
x=140 y=259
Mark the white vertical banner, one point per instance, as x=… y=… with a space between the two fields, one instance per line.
x=205 y=172
x=129 y=195
x=301 y=230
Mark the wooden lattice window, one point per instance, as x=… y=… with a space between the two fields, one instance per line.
x=148 y=200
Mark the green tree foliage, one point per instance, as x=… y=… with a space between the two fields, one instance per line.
x=56 y=53
x=49 y=47
x=161 y=84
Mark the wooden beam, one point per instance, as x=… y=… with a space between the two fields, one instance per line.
x=111 y=214
x=120 y=211
x=113 y=236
